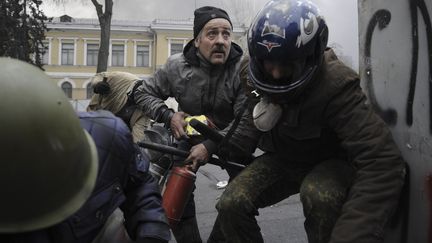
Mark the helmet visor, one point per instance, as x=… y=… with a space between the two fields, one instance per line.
x=273 y=77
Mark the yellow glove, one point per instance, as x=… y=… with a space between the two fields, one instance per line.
x=190 y=131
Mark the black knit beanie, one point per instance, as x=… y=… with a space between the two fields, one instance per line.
x=205 y=14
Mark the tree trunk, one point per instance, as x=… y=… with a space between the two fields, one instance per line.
x=103 y=54
x=105 y=28
x=24 y=52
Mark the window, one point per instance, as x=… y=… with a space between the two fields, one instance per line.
x=117 y=55
x=89 y=90
x=175 y=45
x=67 y=54
x=143 y=56
x=65 y=18
x=45 y=57
x=67 y=89
x=176 y=48
x=92 y=54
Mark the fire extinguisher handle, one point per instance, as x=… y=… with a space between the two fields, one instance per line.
x=211 y=134
x=216 y=137
x=163 y=148
x=206 y=131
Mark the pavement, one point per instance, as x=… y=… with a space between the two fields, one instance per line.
x=280 y=223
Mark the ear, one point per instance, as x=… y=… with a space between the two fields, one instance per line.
x=197 y=42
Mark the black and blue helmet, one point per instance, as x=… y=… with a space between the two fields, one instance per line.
x=286 y=31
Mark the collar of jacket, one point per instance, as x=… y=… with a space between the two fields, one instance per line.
x=190 y=53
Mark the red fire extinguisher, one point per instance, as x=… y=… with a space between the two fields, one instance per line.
x=177 y=192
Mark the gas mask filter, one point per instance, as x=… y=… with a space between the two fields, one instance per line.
x=266 y=114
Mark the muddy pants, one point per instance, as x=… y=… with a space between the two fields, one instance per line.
x=269 y=179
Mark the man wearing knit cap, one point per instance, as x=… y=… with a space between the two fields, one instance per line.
x=204 y=80
x=217 y=17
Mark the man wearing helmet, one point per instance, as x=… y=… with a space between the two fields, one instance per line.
x=319 y=136
x=204 y=81
x=63 y=176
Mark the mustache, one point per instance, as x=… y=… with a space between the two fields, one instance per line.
x=218 y=49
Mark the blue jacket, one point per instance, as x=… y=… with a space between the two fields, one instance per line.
x=123 y=181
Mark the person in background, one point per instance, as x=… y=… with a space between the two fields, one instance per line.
x=320 y=137
x=111 y=93
x=64 y=175
x=204 y=80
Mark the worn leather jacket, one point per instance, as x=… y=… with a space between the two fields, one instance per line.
x=191 y=81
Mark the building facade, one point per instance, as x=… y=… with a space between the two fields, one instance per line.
x=138 y=47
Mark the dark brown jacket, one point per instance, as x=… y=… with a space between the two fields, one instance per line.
x=333 y=119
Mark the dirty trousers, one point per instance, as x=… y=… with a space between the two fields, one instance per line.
x=269 y=179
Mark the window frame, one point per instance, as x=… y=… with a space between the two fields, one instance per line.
x=63 y=40
x=175 y=41
x=67 y=55
x=67 y=90
x=145 y=55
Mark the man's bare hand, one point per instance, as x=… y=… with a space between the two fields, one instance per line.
x=198 y=156
x=178 y=125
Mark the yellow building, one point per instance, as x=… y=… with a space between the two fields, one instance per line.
x=138 y=47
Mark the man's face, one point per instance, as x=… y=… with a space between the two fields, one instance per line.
x=284 y=73
x=214 y=41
